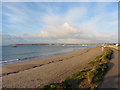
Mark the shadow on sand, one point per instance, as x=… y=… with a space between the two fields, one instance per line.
x=111 y=81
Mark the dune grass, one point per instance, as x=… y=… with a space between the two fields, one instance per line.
x=89 y=77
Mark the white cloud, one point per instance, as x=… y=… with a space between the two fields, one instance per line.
x=74 y=34
x=75 y=13
x=63 y=28
x=57 y=32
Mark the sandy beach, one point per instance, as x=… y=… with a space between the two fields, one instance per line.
x=40 y=72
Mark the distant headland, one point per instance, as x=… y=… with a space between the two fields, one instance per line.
x=57 y=44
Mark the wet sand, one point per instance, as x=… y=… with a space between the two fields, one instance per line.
x=40 y=72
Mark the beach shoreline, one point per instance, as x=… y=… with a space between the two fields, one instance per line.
x=12 y=55
x=39 y=72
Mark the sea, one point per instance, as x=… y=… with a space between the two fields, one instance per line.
x=11 y=55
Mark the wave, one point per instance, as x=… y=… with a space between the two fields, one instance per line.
x=16 y=60
x=5 y=61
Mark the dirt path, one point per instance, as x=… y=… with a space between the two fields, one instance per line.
x=111 y=78
x=53 y=69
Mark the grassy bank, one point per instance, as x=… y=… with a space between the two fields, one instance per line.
x=114 y=47
x=90 y=77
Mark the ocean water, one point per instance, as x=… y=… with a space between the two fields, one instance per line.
x=18 y=54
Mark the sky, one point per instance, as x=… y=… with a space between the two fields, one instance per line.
x=59 y=22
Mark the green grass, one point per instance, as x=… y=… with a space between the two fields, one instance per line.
x=92 y=63
x=90 y=77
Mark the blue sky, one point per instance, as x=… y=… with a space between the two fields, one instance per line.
x=59 y=22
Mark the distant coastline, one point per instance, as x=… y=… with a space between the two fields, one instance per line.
x=51 y=44
x=55 y=44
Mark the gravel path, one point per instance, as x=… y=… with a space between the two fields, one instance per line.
x=111 y=78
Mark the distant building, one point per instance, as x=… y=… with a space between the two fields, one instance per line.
x=103 y=45
x=117 y=44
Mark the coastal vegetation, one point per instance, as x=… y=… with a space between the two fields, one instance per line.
x=91 y=76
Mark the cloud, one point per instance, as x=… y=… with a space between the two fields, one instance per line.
x=75 y=13
x=76 y=24
x=20 y=13
x=16 y=15
x=77 y=34
x=97 y=29
x=63 y=31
